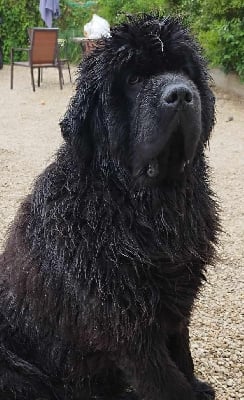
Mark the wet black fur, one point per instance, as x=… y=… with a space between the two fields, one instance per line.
x=99 y=274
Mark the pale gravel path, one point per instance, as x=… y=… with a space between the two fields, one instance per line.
x=29 y=135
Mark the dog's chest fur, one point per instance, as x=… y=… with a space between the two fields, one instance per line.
x=125 y=257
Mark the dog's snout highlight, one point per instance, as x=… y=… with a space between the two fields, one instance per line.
x=177 y=94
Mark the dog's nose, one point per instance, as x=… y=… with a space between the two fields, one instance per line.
x=177 y=94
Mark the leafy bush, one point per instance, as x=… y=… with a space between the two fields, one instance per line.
x=231 y=46
x=115 y=10
x=18 y=16
x=219 y=25
x=71 y=23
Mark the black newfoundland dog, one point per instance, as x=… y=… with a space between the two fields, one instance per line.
x=107 y=254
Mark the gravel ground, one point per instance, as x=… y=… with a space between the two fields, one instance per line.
x=29 y=136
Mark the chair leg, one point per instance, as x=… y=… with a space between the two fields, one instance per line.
x=69 y=72
x=12 y=70
x=12 y=76
x=32 y=79
x=39 y=77
x=60 y=73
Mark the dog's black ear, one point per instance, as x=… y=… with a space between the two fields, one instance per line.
x=76 y=123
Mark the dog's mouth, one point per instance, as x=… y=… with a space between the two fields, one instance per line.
x=153 y=169
x=169 y=163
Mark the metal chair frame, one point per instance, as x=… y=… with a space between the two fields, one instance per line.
x=42 y=53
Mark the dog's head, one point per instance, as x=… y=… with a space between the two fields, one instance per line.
x=143 y=100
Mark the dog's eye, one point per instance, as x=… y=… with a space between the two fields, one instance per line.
x=134 y=80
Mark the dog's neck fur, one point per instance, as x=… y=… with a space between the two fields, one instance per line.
x=92 y=203
x=112 y=194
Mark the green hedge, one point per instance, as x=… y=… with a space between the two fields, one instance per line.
x=18 y=16
x=218 y=24
x=115 y=10
x=71 y=23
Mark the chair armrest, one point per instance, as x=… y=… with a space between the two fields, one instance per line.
x=13 y=49
x=20 y=49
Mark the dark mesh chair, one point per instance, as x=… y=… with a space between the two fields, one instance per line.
x=42 y=53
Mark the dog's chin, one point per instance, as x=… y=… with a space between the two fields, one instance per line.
x=169 y=165
x=156 y=173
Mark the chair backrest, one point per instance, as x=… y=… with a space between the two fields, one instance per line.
x=44 y=45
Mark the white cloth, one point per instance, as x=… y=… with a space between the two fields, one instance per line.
x=96 y=28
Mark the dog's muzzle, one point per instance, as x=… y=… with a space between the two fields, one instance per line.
x=174 y=134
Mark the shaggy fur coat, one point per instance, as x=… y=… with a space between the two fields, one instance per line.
x=101 y=268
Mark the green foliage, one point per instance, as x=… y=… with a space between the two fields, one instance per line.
x=218 y=24
x=115 y=10
x=231 y=46
x=71 y=23
x=18 y=16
